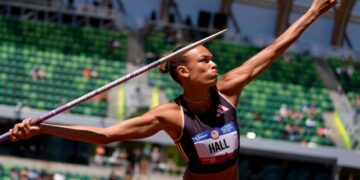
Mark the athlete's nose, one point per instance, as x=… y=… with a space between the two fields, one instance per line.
x=213 y=65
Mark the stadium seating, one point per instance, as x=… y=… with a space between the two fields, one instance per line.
x=290 y=68
x=291 y=80
x=271 y=169
x=348 y=74
x=63 y=53
x=76 y=40
x=6 y=171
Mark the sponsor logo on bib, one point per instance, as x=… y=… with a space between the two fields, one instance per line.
x=215 y=134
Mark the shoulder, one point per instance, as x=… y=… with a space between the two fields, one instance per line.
x=170 y=116
x=166 y=112
x=171 y=106
x=230 y=97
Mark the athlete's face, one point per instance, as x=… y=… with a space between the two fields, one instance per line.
x=201 y=67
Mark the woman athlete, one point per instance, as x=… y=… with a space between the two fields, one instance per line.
x=202 y=121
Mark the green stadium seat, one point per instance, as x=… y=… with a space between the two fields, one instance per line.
x=62 y=53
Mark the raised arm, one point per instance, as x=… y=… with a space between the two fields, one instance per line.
x=135 y=128
x=232 y=83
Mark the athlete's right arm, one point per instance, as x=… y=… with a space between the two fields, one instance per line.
x=134 y=128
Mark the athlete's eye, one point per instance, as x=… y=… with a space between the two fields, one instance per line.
x=204 y=60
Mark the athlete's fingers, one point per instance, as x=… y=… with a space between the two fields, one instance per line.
x=26 y=127
x=15 y=129
x=333 y=2
x=11 y=135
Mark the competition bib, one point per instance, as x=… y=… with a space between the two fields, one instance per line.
x=216 y=145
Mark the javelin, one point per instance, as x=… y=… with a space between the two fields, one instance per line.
x=108 y=86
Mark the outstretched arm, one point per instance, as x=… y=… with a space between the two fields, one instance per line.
x=135 y=128
x=232 y=83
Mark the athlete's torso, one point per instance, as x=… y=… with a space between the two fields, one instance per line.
x=209 y=141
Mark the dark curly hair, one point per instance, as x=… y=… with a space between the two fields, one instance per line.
x=170 y=65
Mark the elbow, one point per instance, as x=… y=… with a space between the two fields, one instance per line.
x=248 y=76
x=104 y=138
x=108 y=135
x=101 y=139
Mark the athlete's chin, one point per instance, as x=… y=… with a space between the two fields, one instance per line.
x=209 y=81
x=213 y=76
x=212 y=82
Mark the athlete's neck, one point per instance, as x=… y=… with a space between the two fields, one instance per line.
x=197 y=96
x=198 y=101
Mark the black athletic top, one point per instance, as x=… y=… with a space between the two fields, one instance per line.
x=209 y=141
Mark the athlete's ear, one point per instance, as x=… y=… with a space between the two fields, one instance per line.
x=183 y=71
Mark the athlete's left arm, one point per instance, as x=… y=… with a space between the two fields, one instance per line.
x=232 y=83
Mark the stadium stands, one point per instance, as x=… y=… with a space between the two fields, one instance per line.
x=273 y=170
x=44 y=65
x=348 y=74
x=31 y=49
x=291 y=81
x=8 y=172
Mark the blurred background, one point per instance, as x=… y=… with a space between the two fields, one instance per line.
x=298 y=120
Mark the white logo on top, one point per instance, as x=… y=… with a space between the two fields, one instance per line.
x=221 y=109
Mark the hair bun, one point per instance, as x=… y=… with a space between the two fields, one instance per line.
x=164 y=67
